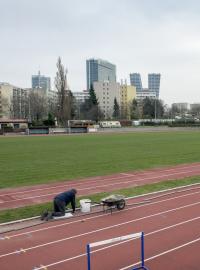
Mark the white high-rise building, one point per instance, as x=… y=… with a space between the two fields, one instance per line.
x=106 y=92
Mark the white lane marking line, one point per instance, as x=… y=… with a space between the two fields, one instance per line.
x=102 y=215
x=99 y=230
x=106 y=185
x=84 y=182
x=127 y=174
x=102 y=179
x=170 y=193
x=163 y=253
x=175 y=190
x=117 y=244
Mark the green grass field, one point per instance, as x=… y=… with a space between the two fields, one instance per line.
x=34 y=160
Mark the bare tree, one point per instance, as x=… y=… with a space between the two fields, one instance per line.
x=52 y=106
x=37 y=106
x=64 y=94
x=20 y=105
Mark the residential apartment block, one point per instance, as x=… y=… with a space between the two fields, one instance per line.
x=6 y=91
x=106 y=92
x=127 y=94
x=14 y=101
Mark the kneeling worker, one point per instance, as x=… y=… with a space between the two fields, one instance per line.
x=60 y=202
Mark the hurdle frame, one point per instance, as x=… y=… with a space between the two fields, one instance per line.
x=142 y=266
x=142 y=255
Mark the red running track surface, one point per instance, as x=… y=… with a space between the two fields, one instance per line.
x=17 y=197
x=171 y=224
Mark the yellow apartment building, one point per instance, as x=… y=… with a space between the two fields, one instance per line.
x=127 y=94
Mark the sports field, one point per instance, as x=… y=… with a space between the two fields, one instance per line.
x=33 y=160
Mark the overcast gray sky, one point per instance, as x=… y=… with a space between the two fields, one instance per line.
x=142 y=36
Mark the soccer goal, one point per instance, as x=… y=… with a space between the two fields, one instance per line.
x=118 y=239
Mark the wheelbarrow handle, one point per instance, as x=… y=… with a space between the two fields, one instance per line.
x=94 y=203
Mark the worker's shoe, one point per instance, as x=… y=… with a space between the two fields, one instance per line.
x=44 y=215
x=49 y=216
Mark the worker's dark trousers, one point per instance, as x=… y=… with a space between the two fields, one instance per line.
x=59 y=208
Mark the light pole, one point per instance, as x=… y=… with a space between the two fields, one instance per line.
x=155 y=109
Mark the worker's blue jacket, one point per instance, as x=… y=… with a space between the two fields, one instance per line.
x=67 y=197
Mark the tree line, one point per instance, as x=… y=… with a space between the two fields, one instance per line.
x=41 y=109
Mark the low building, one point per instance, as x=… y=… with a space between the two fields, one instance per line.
x=195 y=107
x=145 y=93
x=9 y=125
x=181 y=107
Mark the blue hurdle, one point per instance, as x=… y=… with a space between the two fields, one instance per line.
x=142 y=266
x=117 y=239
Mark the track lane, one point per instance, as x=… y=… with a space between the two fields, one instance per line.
x=157 y=221
x=14 y=199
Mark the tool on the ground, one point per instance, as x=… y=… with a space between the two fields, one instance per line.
x=114 y=201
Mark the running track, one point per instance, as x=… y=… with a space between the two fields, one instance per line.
x=13 y=198
x=170 y=221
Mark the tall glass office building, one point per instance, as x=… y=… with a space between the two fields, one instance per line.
x=135 y=80
x=99 y=71
x=154 y=83
x=40 y=81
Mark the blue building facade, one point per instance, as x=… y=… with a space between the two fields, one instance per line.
x=154 y=83
x=135 y=80
x=40 y=81
x=98 y=70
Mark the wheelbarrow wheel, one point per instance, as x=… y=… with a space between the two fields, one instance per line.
x=121 y=204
